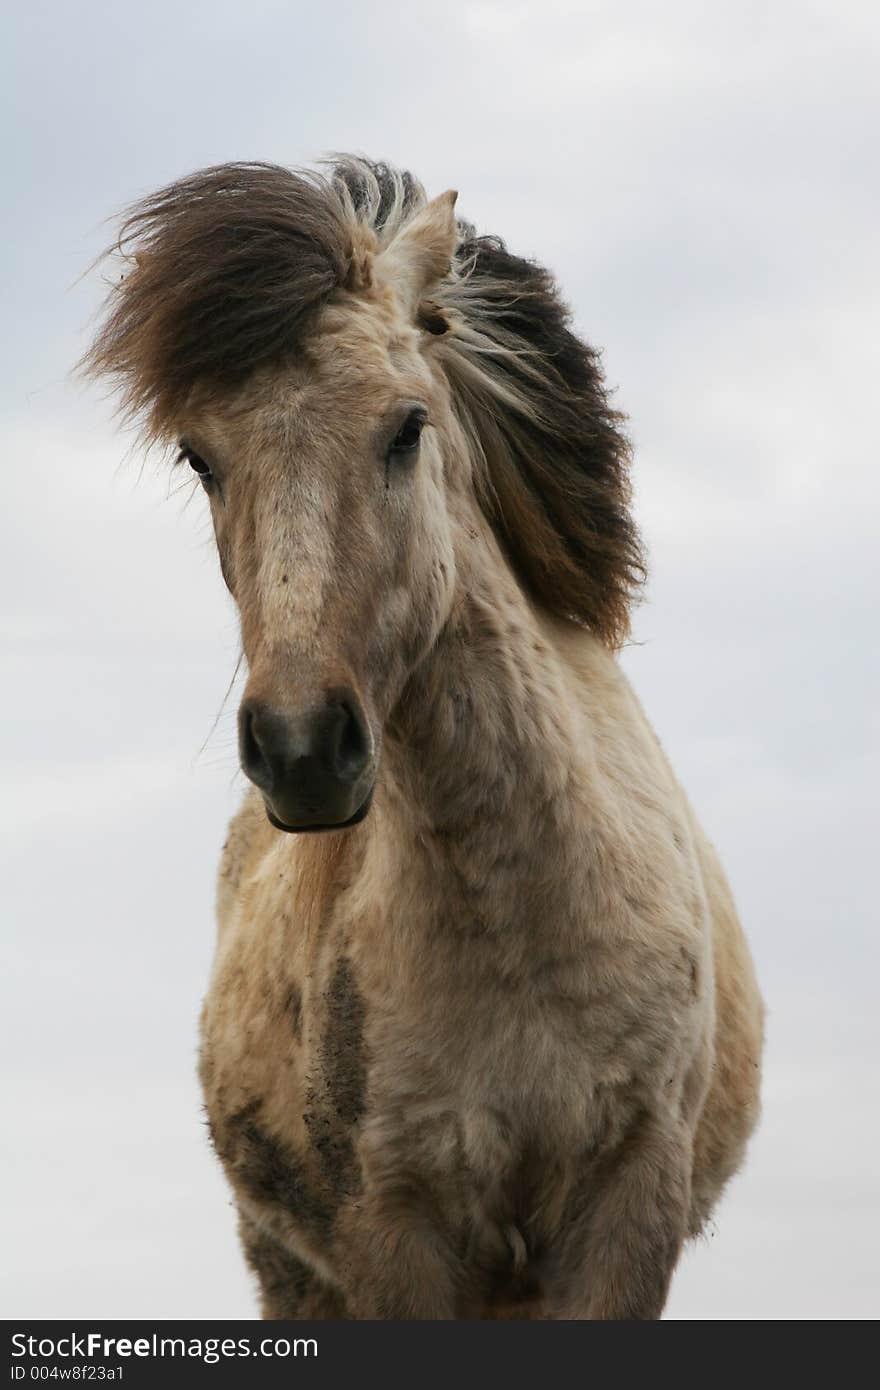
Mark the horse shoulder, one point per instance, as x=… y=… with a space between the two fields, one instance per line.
x=247 y=839
x=732 y=1105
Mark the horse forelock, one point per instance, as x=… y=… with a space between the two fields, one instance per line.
x=227 y=270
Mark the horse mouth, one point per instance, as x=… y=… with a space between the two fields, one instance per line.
x=312 y=828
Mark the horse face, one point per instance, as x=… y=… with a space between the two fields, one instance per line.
x=327 y=493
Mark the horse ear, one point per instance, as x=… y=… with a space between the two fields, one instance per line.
x=421 y=254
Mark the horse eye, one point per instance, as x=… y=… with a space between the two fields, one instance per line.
x=406 y=441
x=195 y=461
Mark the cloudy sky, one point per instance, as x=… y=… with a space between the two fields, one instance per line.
x=702 y=178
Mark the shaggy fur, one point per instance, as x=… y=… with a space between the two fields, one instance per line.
x=494 y=1051
x=227 y=270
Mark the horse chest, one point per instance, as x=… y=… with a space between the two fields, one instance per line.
x=331 y=1072
x=485 y=1076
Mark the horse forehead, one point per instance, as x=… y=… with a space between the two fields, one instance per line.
x=336 y=409
x=356 y=364
x=365 y=341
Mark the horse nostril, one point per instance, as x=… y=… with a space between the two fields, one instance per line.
x=253 y=759
x=349 y=739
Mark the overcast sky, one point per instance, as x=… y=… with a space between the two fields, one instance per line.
x=702 y=179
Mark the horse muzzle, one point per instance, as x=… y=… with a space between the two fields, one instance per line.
x=316 y=767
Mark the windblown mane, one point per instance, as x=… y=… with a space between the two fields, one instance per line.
x=227 y=269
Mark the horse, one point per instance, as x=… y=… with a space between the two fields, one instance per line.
x=483 y=1037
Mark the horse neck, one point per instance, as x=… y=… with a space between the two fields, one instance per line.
x=484 y=768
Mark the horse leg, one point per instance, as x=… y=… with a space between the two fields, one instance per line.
x=288 y=1287
x=617 y=1257
x=400 y=1265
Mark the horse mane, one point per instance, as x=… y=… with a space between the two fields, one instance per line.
x=226 y=271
